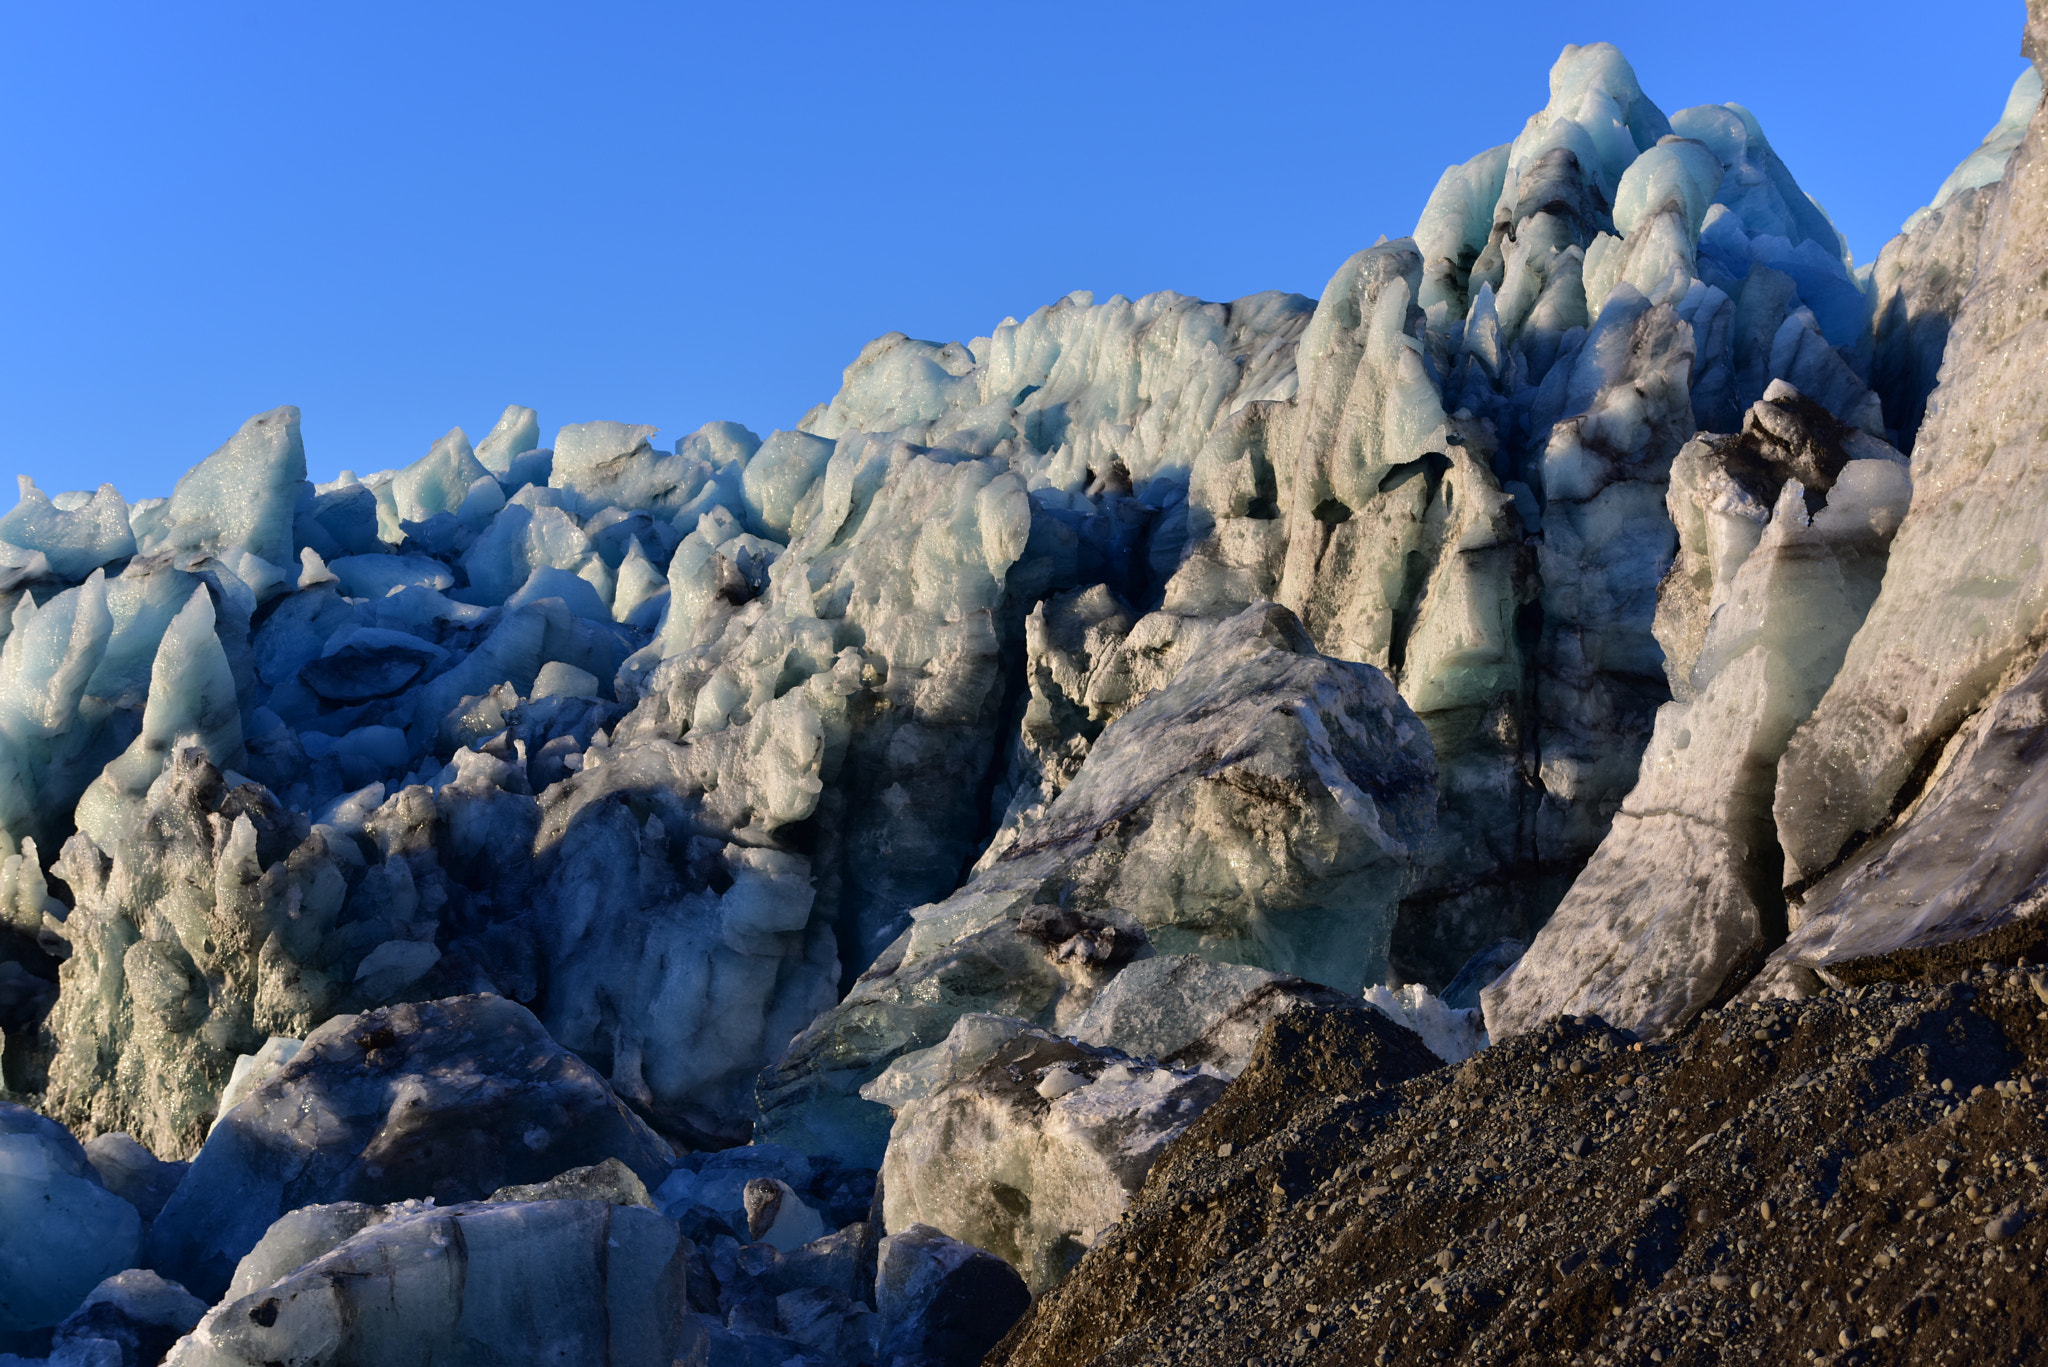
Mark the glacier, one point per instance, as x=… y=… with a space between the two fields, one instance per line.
x=1562 y=613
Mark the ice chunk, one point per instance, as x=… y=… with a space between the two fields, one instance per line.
x=641 y=596
x=376 y=575
x=943 y=1301
x=991 y=1161
x=61 y=1232
x=1452 y=1033
x=588 y=1280
x=516 y=433
x=129 y=1320
x=1677 y=170
x=1190 y=1012
x=439 y=481
x=577 y=592
x=191 y=701
x=253 y=1070
x=451 y=1099
x=243 y=496
x=77 y=541
x=777 y=478
x=133 y=1173
x=604 y=464
x=777 y=1216
x=559 y=680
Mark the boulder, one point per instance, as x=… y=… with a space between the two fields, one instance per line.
x=1190 y=1012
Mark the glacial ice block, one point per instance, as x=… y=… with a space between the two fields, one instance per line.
x=450 y=1099
x=77 y=541
x=523 y=1282
x=61 y=1231
x=1967 y=587
x=243 y=496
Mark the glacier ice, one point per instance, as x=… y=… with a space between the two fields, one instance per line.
x=1260 y=808
x=941 y=1300
x=1101 y=688
x=1946 y=626
x=449 y=1100
x=579 y=1280
x=1025 y=1144
x=1783 y=535
x=61 y=1231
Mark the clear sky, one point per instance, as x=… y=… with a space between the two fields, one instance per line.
x=402 y=217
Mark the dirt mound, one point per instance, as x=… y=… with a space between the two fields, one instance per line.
x=1857 y=1178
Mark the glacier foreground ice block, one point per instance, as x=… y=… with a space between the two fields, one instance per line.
x=1025 y=1144
x=517 y=1283
x=450 y=1099
x=61 y=1232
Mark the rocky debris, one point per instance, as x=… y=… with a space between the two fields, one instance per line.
x=943 y=1303
x=61 y=1231
x=1260 y=809
x=1855 y=1177
x=450 y=1100
x=587 y=1281
x=1025 y=1144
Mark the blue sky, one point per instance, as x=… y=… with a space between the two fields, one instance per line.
x=403 y=217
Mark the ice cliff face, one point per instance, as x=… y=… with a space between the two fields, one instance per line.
x=1600 y=568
